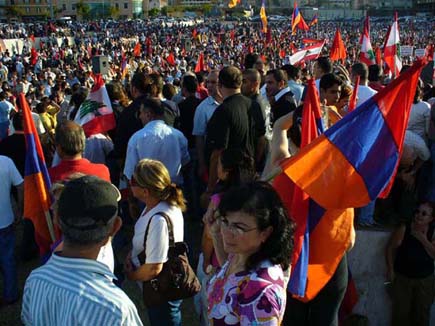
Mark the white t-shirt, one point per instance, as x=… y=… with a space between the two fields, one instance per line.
x=9 y=177
x=419 y=119
x=158 y=237
x=364 y=93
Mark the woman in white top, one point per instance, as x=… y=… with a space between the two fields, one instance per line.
x=151 y=184
x=419 y=117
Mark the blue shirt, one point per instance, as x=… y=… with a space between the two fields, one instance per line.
x=75 y=291
x=158 y=141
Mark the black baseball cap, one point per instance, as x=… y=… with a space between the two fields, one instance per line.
x=88 y=202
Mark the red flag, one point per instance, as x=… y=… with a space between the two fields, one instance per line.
x=32 y=37
x=303 y=25
x=338 y=50
x=194 y=33
x=170 y=59
x=34 y=55
x=37 y=199
x=282 y=53
x=137 y=50
x=353 y=98
x=232 y=34
x=378 y=56
x=200 y=64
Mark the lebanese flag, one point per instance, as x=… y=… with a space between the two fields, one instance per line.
x=306 y=54
x=366 y=54
x=338 y=50
x=392 y=48
x=95 y=114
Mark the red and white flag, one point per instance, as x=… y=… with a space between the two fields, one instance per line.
x=306 y=54
x=95 y=114
x=392 y=48
x=366 y=54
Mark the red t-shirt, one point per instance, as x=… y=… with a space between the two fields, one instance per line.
x=67 y=167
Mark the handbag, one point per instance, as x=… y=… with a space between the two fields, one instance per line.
x=177 y=280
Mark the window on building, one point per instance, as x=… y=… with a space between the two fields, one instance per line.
x=117 y=5
x=125 y=5
x=73 y=6
x=12 y=2
x=64 y=6
x=37 y=1
x=27 y=10
x=38 y=10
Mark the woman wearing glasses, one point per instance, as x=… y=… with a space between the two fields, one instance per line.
x=151 y=184
x=252 y=231
x=410 y=267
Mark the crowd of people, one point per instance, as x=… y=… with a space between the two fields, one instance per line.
x=203 y=113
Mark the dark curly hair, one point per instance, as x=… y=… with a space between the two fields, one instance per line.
x=260 y=200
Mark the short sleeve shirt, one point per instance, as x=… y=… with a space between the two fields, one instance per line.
x=9 y=177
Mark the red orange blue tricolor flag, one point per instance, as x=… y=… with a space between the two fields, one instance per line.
x=300 y=209
x=314 y=20
x=37 y=183
x=263 y=17
x=356 y=159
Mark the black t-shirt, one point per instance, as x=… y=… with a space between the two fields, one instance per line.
x=232 y=125
x=14 y=147
x=412 y=259
x=187 y=113
x=284 y=105
x=128 y=124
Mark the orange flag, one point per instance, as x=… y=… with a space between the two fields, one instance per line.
x=137 y=50
x=338 y=50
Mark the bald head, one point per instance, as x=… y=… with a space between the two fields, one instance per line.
x=251 y=82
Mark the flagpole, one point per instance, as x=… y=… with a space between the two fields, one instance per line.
x=50 y=225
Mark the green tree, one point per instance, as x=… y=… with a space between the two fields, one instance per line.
x=164 y=11
x=13 y=11
x=153 y=12
x=83 y=10
x=114 y=12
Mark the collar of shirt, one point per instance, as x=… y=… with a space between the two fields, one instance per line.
x=81 y=264
x=211 y=100
x=281 y=93
x=152 y=123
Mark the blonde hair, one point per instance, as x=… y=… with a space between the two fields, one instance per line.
x=153 y=175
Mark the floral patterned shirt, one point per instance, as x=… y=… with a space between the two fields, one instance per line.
x=247 y=298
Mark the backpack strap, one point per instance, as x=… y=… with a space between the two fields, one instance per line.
x=142 y=255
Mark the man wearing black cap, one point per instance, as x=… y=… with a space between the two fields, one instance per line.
x=73 y=288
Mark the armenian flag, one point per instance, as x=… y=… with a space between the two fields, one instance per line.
x=37 y=183
x=314 y=20
x=356 y=159
x=297 y=20
x=263 y=16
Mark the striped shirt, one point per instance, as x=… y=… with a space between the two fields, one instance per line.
x=75 y=291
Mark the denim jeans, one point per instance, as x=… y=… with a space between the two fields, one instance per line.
x=4 y=128
x=167 y=314
x=7 y=263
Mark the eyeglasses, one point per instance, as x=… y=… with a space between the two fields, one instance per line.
x=234 y=228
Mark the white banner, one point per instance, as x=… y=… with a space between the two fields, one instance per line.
x=419 y=53
x=406 y=50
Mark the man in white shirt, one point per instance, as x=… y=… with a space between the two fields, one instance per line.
x=158 y=141
x=364 y=91
x=10 y=177
x=203 y=114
